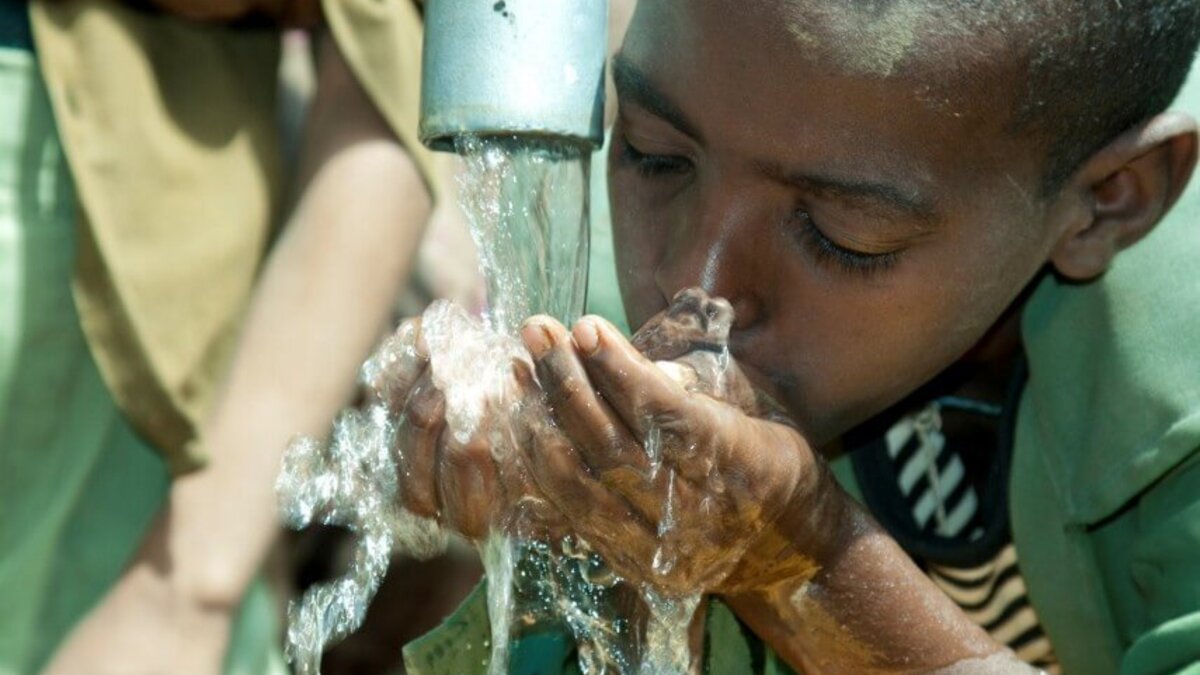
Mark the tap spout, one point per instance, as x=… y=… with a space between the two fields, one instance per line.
x=513 y=67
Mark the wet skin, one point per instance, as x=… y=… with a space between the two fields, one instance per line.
x=865 y=237
x=868 y=230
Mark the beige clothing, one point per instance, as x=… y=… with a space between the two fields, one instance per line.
x=170 y=128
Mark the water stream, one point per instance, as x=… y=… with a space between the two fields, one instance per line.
x=527 y=203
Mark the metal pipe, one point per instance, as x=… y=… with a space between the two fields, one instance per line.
x=513 y=67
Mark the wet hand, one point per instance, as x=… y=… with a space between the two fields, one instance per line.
x=671 y=482
x=468 y=486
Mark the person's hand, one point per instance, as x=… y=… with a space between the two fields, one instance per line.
x=467 y=485
x=672 y=485
x=148 y=624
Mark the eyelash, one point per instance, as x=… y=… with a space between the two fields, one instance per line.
x=829 y=251
x=826 y=250
x=652 y=165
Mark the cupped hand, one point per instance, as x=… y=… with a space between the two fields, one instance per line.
x=471 y=485
x=679 y=481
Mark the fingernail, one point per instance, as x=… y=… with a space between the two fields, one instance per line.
x=522 y=372
x=587 y=336
x=537 y=338
x=420 y=346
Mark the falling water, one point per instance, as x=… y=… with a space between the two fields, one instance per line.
x=527 y=203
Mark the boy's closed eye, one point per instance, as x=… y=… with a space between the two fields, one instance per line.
x=838 y=247
x=650 y=164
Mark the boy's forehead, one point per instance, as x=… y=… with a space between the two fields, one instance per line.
x=871 y=39
x=945 y=50
x=792 y=84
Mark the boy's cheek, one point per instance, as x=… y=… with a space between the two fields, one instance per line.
x=641 y=299
x=840 y=363
x=637 y=259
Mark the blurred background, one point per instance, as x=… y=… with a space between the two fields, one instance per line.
x=211 y=212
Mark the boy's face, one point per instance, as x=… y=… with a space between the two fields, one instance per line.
x=868 y=221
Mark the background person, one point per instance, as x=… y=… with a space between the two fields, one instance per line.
x=127 y=341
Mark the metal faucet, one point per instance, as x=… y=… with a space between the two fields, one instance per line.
x=514 y=67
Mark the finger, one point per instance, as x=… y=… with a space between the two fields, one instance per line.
x=467 y=486
x=422 y=425
x=604 y=518
x=618 y=462
x=397 y=365
x=774 y=466
x=596 y=431
x=642 y=395
x=675 y=541
x=517 y=498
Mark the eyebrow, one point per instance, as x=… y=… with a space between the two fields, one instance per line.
x=885 y=195
x=636 y=87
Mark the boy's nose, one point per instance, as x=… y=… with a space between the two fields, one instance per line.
x=711 y=255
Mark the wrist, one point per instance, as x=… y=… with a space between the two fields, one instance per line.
x=168 y=600
x=143 y=626
x=815 y=527
x=181 y=576
x=207 y=589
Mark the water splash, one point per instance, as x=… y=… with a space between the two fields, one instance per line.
x=497 y=556
x=472 y=367
x=527 y=204
x=668 y=649
x=349 y=482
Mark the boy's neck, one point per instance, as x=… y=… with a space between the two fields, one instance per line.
x=988 y=367
x=983 y=374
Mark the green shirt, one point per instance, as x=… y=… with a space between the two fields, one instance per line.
x=78 y=487
x=1105 y=487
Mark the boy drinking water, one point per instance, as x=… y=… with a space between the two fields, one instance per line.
x=881 y=190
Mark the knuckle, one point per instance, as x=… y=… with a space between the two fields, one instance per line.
x=614 y=441
x=471 y=455
x=477 y=452
x=466 y=500
x=417 y=492
x=426 y=409
x=421 y=501
x=567 y=391
x=472 y=525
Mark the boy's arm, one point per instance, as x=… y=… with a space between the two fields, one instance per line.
x=326 y=295
x=868 y=609
x=819 y=580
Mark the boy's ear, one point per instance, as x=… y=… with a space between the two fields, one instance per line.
x=1127 y=186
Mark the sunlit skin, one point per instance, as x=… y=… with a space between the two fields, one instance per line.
x=868 y=229
x=865 y=238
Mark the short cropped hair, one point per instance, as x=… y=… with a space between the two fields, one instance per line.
x=1089 y=69
x=1097 y=69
